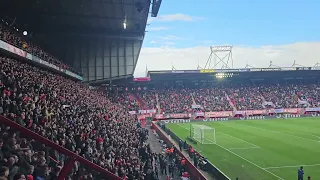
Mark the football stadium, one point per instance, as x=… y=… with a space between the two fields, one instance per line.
x=71 y=108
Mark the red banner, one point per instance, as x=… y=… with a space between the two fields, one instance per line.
x=141 y=79
x=219 y=114
x=173 y=116
x=292 y=110
x=287 y=110
x=255 y=112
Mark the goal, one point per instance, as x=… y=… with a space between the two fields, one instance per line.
x=203 y=134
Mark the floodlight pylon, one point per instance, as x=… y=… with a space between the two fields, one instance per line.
x=226 y=60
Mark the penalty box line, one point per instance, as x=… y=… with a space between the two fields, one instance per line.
x=245 y=148
x=277 y=132
x=254 y=146
x=280 y=178
x=297 y=166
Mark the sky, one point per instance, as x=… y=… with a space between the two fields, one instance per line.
x=259 y=31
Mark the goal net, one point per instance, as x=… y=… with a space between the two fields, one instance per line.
x=203 y=134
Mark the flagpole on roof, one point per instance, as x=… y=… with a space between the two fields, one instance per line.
x=271 y=65
x=295 y=64
x=199 y=65
x=173 y=68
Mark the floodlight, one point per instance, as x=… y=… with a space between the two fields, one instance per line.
x=25 y=33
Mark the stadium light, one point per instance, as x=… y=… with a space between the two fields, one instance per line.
x=125 y=23
x=25 y=33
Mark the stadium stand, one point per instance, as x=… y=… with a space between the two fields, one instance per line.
x=53 y=127
x=212 y=99
x=11 y=36
x=228 y=98
x=283 y=96
x=175 y=100
x=69 y=114
x=148 y=99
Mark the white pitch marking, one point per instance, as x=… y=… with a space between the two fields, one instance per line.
x=243 y=158
x=245 y=148
x=305 y=134
x=279 y=132
x=297 y=166
x=256 y=146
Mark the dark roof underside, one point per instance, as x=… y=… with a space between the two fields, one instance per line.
x=59 y=26
x=102 y=17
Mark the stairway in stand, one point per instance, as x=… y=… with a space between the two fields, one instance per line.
x=265 y=102
x=158 y=104
x=193 y=100
x=140 y=101
x=230 y=102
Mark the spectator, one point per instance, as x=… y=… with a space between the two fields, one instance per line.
x=72 y=115
x=4 y=173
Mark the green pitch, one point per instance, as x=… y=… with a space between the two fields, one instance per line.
x=262 y=149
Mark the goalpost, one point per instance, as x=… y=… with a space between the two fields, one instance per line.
x=203 y=134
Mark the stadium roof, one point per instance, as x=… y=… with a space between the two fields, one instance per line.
x=79 y=17
x=235 y=75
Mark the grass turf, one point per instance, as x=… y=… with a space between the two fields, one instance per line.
x=261 y=149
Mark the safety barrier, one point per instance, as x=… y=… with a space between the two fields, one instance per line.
x=194 y=172
x=72 y=156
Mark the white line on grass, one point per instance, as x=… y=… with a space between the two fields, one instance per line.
x=297 y=166
x=304 y=134
x=279 y=132
x=256 y=146
x=245 y=148
x=243 y=158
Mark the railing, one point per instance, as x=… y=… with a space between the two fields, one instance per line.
x=194 y=172
x=72 y=156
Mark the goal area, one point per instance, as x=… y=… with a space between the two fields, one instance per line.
x=203 y=134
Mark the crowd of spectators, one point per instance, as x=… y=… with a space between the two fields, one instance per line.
x=246 y=98
x=175 y=100
x=227 y=98
x=126 y=99
x=11 y=36
x=170 y=162
x=212 y=99
x=282 y=96
x=149 y=98
x=72 y=115
x=310 y=93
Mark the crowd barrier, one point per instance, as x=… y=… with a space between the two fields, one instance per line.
x=194 y=172
x=231 y=114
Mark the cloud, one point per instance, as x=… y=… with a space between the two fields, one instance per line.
x=164 y=41
x=169 y=37
x=174 y=17
x=160 y=28
x=161 y=58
